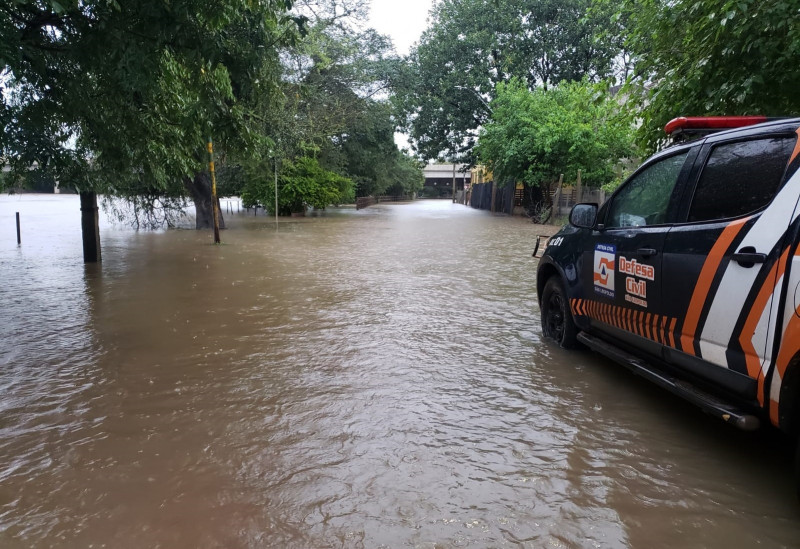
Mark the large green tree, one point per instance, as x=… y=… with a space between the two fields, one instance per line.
x=473 y=45
x=120 y=96
x=710 y=57
x=335 y=117
x=534 y=136
x=367 y=153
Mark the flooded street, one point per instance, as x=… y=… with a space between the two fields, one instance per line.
x=371 y=378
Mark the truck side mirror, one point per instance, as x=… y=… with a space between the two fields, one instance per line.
x=583 y=216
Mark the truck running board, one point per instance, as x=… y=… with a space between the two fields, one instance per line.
x=707 y=402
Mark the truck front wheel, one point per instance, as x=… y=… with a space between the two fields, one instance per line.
x=557 y=323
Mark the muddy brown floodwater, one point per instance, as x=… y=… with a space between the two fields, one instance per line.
x=360 y=379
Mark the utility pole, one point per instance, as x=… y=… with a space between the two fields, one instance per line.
x=454 y=180
x=213 y=190
x=276 y=193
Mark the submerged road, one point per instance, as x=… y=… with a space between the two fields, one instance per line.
x=359 y=379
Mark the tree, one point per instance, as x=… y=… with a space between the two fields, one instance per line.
x=710 y=57
x=473 y=45
x=302 y=183
x=332 y=82
x=534 y=136
x=120 y=98
x=367 y=153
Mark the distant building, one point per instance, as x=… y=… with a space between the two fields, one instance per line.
x=481 y=174
x=439 y=179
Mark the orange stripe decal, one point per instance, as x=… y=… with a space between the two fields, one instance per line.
x=703 y=286
x=672 y=333
x=756 y=312
x=774 y=410
x=796 y=147
x=642 y=323
x=655 y=329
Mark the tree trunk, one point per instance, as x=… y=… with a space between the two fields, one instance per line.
x=199 y=190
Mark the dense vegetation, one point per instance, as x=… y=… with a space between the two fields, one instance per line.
x=544 y=87
x=472 y=46
x=536 y=136
x=120 y=97
x=708 y=57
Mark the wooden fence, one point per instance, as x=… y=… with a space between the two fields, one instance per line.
x=364 y=201
x=514 y=201
x=564 y=198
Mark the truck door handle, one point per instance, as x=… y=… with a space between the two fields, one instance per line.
x=647 y=252
x=747 y=257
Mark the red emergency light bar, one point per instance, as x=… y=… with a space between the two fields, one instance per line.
x=711 y=123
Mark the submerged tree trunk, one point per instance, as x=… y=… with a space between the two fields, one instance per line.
x=200 y=191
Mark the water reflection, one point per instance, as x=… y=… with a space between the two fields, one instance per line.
x=357 y=379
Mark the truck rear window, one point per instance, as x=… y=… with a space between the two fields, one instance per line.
x=740 y=178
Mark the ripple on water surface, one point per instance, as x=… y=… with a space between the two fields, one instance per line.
x=358 y=379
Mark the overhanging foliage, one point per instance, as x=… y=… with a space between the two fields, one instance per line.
x=709 y=57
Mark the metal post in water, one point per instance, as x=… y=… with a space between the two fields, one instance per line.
x=276 y=194
x=214 y=205
x=90 y=227
x=19 y=240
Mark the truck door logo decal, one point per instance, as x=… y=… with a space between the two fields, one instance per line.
x=604 y=262
x=636 y=288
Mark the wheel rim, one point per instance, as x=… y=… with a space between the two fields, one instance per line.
x=555 y=316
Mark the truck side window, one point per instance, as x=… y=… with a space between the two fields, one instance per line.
x=740 y=178
x=645 y=197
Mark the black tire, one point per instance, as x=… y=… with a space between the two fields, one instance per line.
x=557 y=322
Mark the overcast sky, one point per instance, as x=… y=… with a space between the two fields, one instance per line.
x=402 y=20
